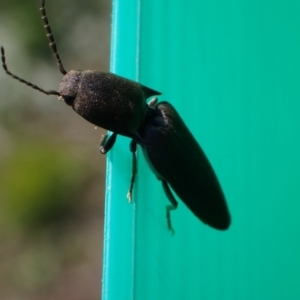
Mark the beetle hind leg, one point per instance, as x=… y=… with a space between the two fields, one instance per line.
x=132 y=148
x=107 y=142
x=171 y=207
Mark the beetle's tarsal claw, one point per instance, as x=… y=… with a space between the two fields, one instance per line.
x=102 y=150
x=129 y=196
x=168 y=216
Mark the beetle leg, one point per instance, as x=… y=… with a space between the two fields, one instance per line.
x=107 y=142
x=173 y=205
x=139 y=139
x=132 y=147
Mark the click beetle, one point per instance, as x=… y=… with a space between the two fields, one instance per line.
x=119 y=105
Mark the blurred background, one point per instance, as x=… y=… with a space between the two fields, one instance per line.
x=51 y=172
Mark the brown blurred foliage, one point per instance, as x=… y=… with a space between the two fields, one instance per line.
x=51 y=172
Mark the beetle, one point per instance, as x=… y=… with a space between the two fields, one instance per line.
x=119 y=105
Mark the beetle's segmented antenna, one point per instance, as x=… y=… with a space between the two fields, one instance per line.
x=22 y=80
x=51 y=38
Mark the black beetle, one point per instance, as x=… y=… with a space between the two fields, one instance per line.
x=119 y=105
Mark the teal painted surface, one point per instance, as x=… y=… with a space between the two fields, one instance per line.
x=232 y=70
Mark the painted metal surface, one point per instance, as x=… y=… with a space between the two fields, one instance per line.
x=232 y=70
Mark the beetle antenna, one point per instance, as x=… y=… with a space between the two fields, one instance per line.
x=50 y=36
x=22 y=80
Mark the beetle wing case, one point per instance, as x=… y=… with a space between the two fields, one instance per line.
x=175 y=156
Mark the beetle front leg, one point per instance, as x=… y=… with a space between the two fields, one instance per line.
x=107 y=142
x=173 y=205
x=132 y=147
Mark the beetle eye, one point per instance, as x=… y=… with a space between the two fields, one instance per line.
x=69 y=100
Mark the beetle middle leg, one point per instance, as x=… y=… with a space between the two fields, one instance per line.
x=173 y=205
x=107 y=142
x=132 y=148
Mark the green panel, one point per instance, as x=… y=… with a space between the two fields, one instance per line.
x=232 y=70
x=119 y=230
